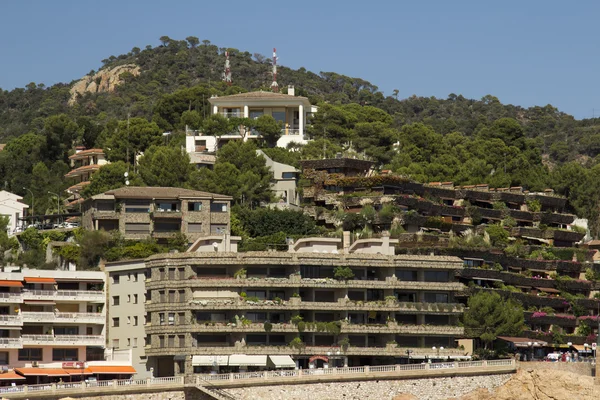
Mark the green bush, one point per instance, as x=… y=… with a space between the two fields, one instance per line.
x=343 y=273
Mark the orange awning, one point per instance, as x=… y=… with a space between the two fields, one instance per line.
x=115 y=369
x=42 y=371
x=11 y=283
x=39 y=280
x=10 y=376
x=78 y=371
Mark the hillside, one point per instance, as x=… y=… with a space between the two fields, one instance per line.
x=166 y=87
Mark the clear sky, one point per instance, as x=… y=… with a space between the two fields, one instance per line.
x=527 y=52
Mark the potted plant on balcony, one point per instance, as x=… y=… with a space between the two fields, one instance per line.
x=297 y=344
x=344 y=344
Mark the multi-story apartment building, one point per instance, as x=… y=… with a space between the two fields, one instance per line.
x=158 y=212
x=51 y=316
x=12 y=206
x=83 y=164
x=212 y=310
x=127 y=314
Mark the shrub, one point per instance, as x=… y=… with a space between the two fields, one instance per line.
x=343 y=273
x=268 y=326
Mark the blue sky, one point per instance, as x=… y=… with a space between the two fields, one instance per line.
x=523 y=52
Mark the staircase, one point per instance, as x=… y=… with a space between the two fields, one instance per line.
x=214 y=392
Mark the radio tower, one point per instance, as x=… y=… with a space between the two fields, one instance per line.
x=227 y=72
x=274 y=85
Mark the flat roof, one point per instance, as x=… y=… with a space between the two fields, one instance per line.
x=148 y=192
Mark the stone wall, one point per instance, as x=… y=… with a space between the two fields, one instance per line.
x=580 y=368
x=433 y=389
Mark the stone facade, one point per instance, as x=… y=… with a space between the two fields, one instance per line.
x=217 y=304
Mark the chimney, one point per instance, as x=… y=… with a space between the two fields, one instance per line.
x=291 y=90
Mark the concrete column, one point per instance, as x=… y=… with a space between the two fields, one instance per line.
x=246 y=112
x=301 y=120
x=215 y=109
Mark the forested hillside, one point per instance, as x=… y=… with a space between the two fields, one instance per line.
x=429 y=139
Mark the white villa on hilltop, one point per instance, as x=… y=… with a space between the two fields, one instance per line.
x=290 y=109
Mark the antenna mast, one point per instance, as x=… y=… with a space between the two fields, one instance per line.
x=227 y=72
x=274 y=85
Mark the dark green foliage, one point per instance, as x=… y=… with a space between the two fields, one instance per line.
x=109 y=177
x=264 y=221
x=165 y=166
x=489 y=315
x=343 y=273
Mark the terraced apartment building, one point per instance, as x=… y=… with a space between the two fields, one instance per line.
x=219 y=310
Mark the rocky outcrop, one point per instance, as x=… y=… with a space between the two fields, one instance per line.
x=541 y=384
x=105 y=80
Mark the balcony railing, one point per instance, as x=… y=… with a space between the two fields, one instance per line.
x=63 y=340
x=76 y=295
x=11 y=298
x=11 y=320
x=83 y=318
x=11 y=343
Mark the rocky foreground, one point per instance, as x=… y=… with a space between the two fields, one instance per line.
x=524 y=385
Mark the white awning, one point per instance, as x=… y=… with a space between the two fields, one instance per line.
x=207 y=361
x=282 y=361
x=242 y=360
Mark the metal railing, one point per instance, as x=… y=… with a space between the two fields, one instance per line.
x=32 y=316
x=75 y=294
x=10 y=297
x=63 y=339
x=7 y=343
x=11 y=319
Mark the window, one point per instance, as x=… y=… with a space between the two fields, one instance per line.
x=136 y=228
x=181 y=318
x=162 y=274
x=128 y=342
x=129 y=298
x=194 y=227
x=167 y=207
x=135 y=342
x=171 y=318
x=436 y=276
x=218 y=207
x=436 y=298
x=171 y=274
x=182 y=296
x=4 y=358
x=129 y=320
x=218 y=229
x=181 y=340
x=172 y=296
x=181 y=273
x=137 y=206
x=161 y=341
x=30 y=354
x=135 y=277
x=135 y=299
x=66 y=330
x=171 y=341
x=65 y=354
x=116 y=300
x=115 y=279
x=405 y=275
x=161 y=293
x=166 y=225
x=195 y=206
x=135 y=320
x=115 y=343
x=288 y=175
x=115 y=322
x=161 y=318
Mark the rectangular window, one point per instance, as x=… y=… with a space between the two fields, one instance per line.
x=136 y=228
x=171 y=341
x=218 y=207
x=162 y=274
x=137 y=206
x=181 y=318
x=135 y=299
x=116 y=300
x=161 y=341
x=406 y=275
x=65 y=354
x=115 y=279
x=171 y=318
x=161 y=318
x=218 y=229
x=181 y=340
x=128 y=342
x=194 y=227
x=436 y=298
x=162 y=296
x=167 y=225
x=30 y=354
x=182 y=296
x=129 y=320
x=171 y=274
x=66 y=330
x=172 y=296
x=4 y=358
x=194 y=206
x=436 y=276
x=167 y=207
x=288 y=175
x=129 y=298
x=135 y=320
x=181 y=273
x=115 y=322
x=135 y=342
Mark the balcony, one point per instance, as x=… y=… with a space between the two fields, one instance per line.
x=64 y=340
x=11 y=320
x=166 y=214
x=96 y=296
x=82 y=318
x=11 y=298
x=11 y=343
x=105 y=214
